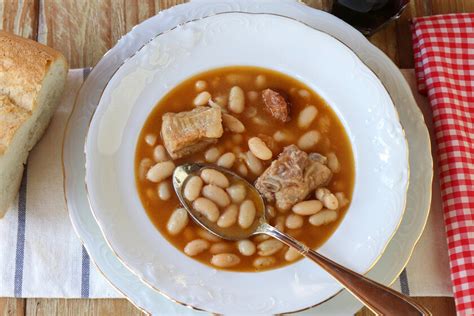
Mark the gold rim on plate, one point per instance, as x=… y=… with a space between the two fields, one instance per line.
x=158 y=290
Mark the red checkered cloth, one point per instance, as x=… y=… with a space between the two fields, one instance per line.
x=444 y=65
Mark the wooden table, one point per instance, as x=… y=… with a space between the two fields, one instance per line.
x=85 y=29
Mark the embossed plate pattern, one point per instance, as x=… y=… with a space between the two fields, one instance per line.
x=399 y=249
x=323 y=63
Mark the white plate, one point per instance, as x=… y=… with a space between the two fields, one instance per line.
x=399 y=249
x=324 y=64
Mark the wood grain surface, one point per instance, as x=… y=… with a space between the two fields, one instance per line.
x=73 y=307
x=85 y=29
x=439 y=306
x=20 y=17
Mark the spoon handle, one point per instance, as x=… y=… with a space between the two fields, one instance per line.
x=377 y=297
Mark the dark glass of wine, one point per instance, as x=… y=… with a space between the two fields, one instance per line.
x=368 y=16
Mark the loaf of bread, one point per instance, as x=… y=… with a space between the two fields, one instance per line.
x=32 y=78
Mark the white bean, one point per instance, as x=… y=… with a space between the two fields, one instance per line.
x=324 y=124
x=236 y=78
x=307 y=116
x=294 y=221
x=260 y=150
x=192 y=189
x=150 y=193
x=280 y=223
x=253 y=163
x=309 y=207
x=216 y=195
x=195 y=247
x=257 y=120
x=160 y=154
x=207 y=208
x=164 y=191
x=247 y=214
x=269 y=247
x=237 y=192
x=341 y=198
x=220 y=247
x=321 y=192
x=322 y=218
x=232 y=123
x=221 y=100
x=150 y=139
x=252 y=96
x=200 y=85
x=237 y=138
x=304 y=93
x=202 y=98
x=328 y=199
x=246 y=247
x=261 y=238
x=308 y=140
x=212 y=176
x=226 y=160
x=242 y=169
x=207 y=235
x=263 y=262
x=145 y=165
x=281 y=136
x=333 y=163
x=250 y=111
x=177 y=221
x=236 y=100
x=261 y=81
x=160 y=171
x=225 y=260
x=212 y=154
x=229 y=216
x=292 y=254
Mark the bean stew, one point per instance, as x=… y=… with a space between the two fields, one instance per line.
x=271 y=129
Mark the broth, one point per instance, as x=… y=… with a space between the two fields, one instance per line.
x=258 y=122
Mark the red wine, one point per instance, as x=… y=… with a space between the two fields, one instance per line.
x=368 y=15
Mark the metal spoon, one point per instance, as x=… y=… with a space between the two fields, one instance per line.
x=377 y=297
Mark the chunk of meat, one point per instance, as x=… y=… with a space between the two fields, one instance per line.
x=276 y=104
x=292 y=176
x=318 y=157
x=185 y=133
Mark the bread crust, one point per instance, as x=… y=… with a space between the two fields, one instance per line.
x=11 y=119
x=23 y=65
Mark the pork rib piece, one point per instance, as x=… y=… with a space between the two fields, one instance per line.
x=185 y=133
x=293 y=176
x=276 y=104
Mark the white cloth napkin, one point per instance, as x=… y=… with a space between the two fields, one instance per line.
x=40 y=255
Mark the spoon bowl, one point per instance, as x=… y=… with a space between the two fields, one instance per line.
x=260 y=225
x=377 y=297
